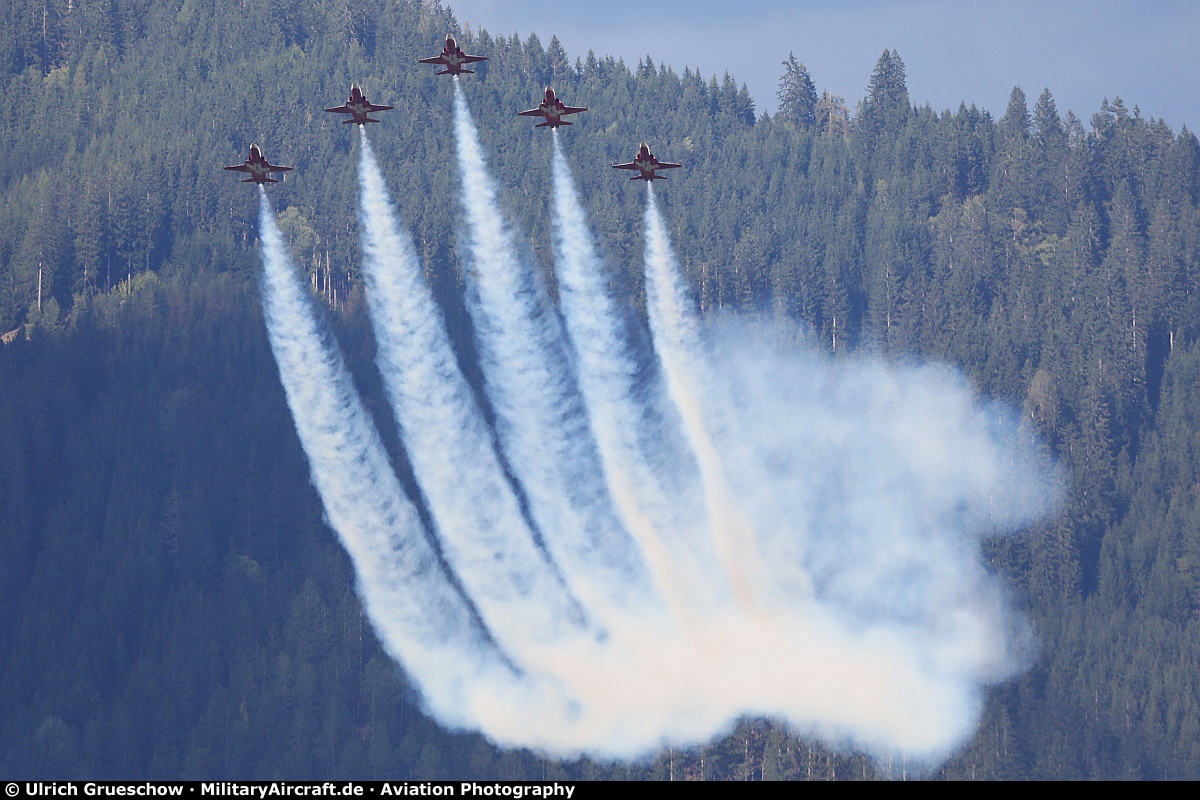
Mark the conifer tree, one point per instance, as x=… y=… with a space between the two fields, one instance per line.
x=832 y=117
x=797 y=94
x=886 y=107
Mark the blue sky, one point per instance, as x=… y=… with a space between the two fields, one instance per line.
x=974 y=51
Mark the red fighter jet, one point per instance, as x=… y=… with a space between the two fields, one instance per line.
x=358 y=107
x=552 y=109
x=646 y=164
x=259 y=167
x=452 y=58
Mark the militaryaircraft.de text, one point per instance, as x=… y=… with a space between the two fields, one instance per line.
x=358 y=106
x=259 y=167
x=552 y=109
x=646 y=165
x=452 y=58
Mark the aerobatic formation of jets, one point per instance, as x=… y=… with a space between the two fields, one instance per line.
x=551 y=109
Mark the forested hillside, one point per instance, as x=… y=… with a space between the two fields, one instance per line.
x=171 y=603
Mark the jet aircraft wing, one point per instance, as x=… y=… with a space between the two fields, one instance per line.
x=441 y=59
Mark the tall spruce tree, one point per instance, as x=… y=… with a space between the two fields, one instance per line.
x=797 y=94
x=886 y=107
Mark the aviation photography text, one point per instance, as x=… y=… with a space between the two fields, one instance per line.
x=264 y=789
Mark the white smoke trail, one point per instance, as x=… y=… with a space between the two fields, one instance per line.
x=478 y=518
x=424 y=623
x=540 y=421
x=677 y=341
x=676 y=545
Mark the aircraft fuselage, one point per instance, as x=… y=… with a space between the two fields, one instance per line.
x=453 y=59
x=646 y=165
x=258 y=167
x=358 y=107
x=552 y=110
